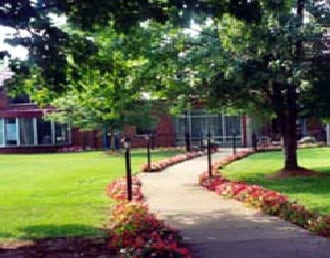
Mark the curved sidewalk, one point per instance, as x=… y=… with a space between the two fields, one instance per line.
x=215 y=227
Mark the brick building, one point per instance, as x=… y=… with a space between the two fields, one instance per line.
x=23 y=129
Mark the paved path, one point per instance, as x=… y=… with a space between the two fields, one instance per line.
x=223 y=228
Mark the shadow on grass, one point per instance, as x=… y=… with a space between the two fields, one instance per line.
x=304 y=184
x=47 y=241
x=44 y=231
x=311 y=191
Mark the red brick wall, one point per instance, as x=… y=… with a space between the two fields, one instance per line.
x=3 y=98
x=163 y=137
x=86 y=139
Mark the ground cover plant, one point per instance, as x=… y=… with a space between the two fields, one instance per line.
x=55 y=195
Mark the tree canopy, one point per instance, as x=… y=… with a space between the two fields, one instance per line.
x=266 y=54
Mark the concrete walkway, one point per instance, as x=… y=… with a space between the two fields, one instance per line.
x=222 y=228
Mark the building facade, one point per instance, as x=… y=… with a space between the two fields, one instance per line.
x=23 y=129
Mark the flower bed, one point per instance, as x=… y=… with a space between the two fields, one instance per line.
x=135 y=232
x=117 y=190
x=270 y=202
x=160 y=165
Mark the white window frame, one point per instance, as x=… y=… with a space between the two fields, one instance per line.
x=52 y=132
x=18 y=129
x=35 y=134
x=3 y=132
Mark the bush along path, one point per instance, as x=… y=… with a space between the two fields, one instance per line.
x=162 y=164
x=270 y=202
x=135 y=232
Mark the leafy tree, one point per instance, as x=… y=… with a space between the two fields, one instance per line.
x=105 y=93
x=277 y=64
x=260 y=54
x=49 y=44
x=88 y=76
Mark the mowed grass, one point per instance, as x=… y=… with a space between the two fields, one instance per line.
x=54 y=195
x=313 y=192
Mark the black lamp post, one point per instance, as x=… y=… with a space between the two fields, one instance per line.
x=187 y=134
x=127 y=146
x=209 y=164
x=148 y=138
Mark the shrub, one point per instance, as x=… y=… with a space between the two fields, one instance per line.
x=160 y=165
x=117 y=190
x=135 y=232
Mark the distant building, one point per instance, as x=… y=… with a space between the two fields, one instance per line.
x=23 y=129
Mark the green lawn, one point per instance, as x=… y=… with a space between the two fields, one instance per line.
x=313 y=192
x=52 y=195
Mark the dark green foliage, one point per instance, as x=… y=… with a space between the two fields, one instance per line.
x=248 y=54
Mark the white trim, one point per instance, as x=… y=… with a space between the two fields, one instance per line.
x=52 y=131
x=3 y=131
x=35 y=132
x=249 y=131
x=69 y=133
x=224 y=129
x=18 y=138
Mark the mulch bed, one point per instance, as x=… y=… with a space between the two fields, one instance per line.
x=69 y=247
x=283 y=173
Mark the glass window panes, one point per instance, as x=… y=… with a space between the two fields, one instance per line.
x=199 y=123
x=32 y=132
x=26 y=131
x=233 y=125
x=61 y=133
x=44 y=132
x=1 y=132
x=10 y=132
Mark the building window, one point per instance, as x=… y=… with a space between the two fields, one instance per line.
x=44 y=132
x=2 y=132
x=26 y=131
x=32 y=132
x=11 y=136
x=233 y=125
x=198 y=124
x=61 y=133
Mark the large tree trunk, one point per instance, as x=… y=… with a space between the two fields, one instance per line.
x=286 y=109
x=290 y=141
x=289 y=130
